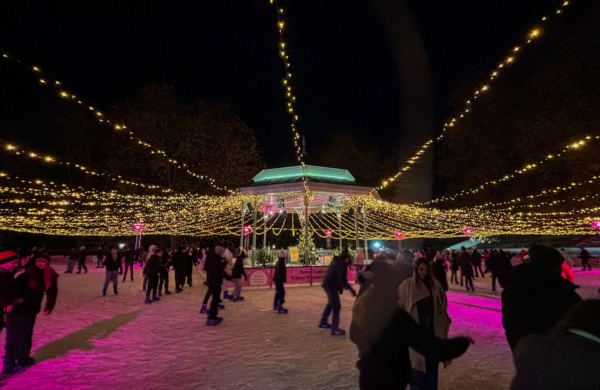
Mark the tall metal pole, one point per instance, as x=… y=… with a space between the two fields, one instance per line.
x=356 y=226
x=306 y=248
x=254 y=235
x=340 y=227
x=242 y=229
x=265 y=235
x=365 y=228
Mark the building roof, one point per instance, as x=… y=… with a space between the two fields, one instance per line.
x=296 y=174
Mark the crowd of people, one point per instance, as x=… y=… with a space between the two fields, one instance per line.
x=400 y=322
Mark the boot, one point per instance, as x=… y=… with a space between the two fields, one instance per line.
x=178 y=290
x=10 y=368
x=104 y=293
x=493 y=289
x=154 y=298
x=221 y=307
x=226 y=295
x=167 y=292
x=116 y=292
x=324 y=325
x=203 y=310
x=282 y=310
x=123 y=281
x=239 y=298
x=338 y=332
x=148 y=300
x=213 y=321
x=159 y=294
x=472 y=288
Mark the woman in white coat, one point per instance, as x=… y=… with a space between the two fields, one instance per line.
x=423 y=297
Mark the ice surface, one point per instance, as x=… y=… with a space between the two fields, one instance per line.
x=118 y=342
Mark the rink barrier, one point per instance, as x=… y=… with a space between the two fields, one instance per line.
x=263 y=276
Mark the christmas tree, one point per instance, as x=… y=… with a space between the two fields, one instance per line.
x=311 y=247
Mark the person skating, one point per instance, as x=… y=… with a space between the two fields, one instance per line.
x=30 y=287
x=565 y=358
x=438 y=268
x=423 y=297
x=236 y=275
x=10 y=265
x=144 y=260
x=465 y=261
x=179 y=265
x=228 y=258
x=151 y=274
x=189 y=265
x=454 y=266
x=73 y=257
x=82 y=260
x=334 y=283
x=537 y=296
x=494 y=265
x=99 y=257
x=585 y=259
x=477 y=263
x=215 y=265
x=383 y=334
x=163 y=273
x=279 y=278
x=111 y=262
x=359 y=261
x=129 y=257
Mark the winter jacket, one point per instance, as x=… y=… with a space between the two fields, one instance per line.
x=567 y=272
x=215 y=273
x=394 y=275
x=7 y=292
x=454 y=265
x=385 y=362
x=238 y=269
x=178 y=261
x=360 y=257
x=438 y=268
x=498 y=267
x=30 y=287
x=410 y=292
x=534 y=300
x=476 y=258
x=466 y=264
x=561 y=360
x=280 y=274
x=129 y=257
x=153 y=266
x=188 y=264
x=336 y=278
x=112 y=264
x=584 y=256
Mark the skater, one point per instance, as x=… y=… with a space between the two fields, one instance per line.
x=228 y=257
x=111 y=262
x=82 y=260
x=334 y=283
x=73 y=259
x=30 y=287
x=151 y=273
x=424 y=299
x=565 y=358
x=279 y=278
x=129 y=261
x=493 y=264
x=439 y=268
x=585 y=259
x=383 y=334
x=536 y=296
x=99 y=257
x=454 y=266
x=144 y=260
x=359 y=261
x=236 y=275
x=477 y=263
x=466 y=268
x=189 y=265
x=215 y=264
x=179 y=264
x=163 y=273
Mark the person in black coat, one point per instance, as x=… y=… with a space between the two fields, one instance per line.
x=189 y=265
x=477 y=263
x=111 y=262
x=566 y=358
x=163 y=272
x=465 y=260
x=454 y=267
x=585 y=259
x=537 y=296
x=82 y=260
x=279 y=278
x=215 y=272
x=129 y=257
x=438 y=270
x=100 y=257
x=236 y=275
x=151 y=270
x=179 y=264
x=334 y=283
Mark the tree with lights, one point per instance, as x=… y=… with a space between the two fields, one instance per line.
x=302 y=248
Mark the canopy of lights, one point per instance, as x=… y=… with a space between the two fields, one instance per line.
x=332 y=206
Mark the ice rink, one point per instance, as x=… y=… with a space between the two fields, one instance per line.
x=118 y=342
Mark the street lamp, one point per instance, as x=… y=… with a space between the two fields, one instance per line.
x=468 y=231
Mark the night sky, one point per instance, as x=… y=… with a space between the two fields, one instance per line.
x=344 y=69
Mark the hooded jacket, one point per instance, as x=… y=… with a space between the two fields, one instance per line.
x=534 y=300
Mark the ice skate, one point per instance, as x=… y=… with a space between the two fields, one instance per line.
x=338 y=332
x=239 y=298
x=148 y=300
x=282 y=310
x=116 y=292
x=167 y=292
x=203 y=310
x=221 y=307
x=159 y=294
x=10 y=368
x=324 y=325
x=213 y=321
x=155 y=299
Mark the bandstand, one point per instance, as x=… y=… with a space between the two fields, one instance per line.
x=307 y=191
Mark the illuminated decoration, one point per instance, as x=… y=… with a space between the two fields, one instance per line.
x=377 y=245
x=596 y=224
x=118 y=126
x=247 y=229
x=468 y=231
x=138 y=227
x=399 y=235
x=468 y=105
x=328 y=232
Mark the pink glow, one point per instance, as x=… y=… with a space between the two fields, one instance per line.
x=247 y=230
x=138 y=227
x=468 y=231
x=328 y=232
x=399 y=235
x=596 y=224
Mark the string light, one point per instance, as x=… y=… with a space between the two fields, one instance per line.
x=468 y=105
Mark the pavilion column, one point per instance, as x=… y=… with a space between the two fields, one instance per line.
x=265 y=233
x=356 y=227
x=254 y=235
x=340 y=228
x=365 y=230
x=306 y=246
x=242 y=229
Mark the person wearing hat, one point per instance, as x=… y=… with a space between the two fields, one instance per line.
x=29 y=291
x=236 y=276
x=536 y=296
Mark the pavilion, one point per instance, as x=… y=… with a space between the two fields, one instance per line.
x=304 y=190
